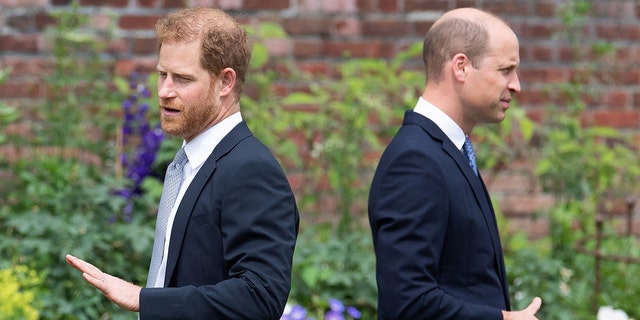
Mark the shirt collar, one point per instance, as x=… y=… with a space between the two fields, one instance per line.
x=199 y=149
x=442 y=120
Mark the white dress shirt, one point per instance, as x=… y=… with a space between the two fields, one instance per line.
x=442 y=120
x=197 y=150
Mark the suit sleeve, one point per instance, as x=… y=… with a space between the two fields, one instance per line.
x=259 y=223
x=409 y=215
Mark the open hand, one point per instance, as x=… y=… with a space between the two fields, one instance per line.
x=123 y=293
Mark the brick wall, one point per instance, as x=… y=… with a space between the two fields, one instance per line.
x=322 y=30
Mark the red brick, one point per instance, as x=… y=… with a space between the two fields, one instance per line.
x=537 y=31
x=613 y=9
x=23 y=3
x=21 y=90
x=542 y=75
x=136 y=22
x=624 y=54
x=105 y=3
x=43 y=20
x=533 y=97
x=504 y=8
x=566 y=53
x=616 y=119
x=357 y=49
x=124 y=67
x=388 y=6
x=349 y=27
x=25 y=66
x=22 y=23
x=468 y=3
x=265 y=5
x=174 y=3
x=229 y=4
x=385 y=27
x=624 y=32
x=626 y=76
x=145 y=46
x=118 y=46
x=149 y=3
x=316 y=67
x=279 y=47
x=339 y=6
x=304 y=49
x=20 y=43
x=426 y=5
x=545 y=8
x=616 y=99
x=524 y=204
x=303 y=25
x=366 y=6
x=636 y=100
x=542 y=53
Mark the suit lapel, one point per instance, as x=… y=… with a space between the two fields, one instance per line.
x=476 y=183
x=185 y=209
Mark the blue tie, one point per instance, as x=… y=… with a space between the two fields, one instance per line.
x=467 y=149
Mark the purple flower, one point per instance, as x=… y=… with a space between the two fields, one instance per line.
x=333 y=315
x=336 y=305
x=140 y=140
x=298 y=312
x=353 y=312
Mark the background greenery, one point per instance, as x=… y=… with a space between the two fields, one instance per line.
x=60 y=201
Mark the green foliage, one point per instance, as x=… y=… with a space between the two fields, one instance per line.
x=326 y=131
x=587 y=169
x=501 y=144
x=329 y=264
x=7 y=113
x=342 y=124
x=17 y=301
x=80 y=98
x=60 y=206
x=57 y=202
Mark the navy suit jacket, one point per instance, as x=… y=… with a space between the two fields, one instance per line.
x=434 y=231
x=232 y=240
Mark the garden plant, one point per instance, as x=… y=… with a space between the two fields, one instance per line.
x=93 y=191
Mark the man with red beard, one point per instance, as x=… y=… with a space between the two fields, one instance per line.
x=225 y=237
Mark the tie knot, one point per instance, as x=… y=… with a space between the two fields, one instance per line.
x=180 y=159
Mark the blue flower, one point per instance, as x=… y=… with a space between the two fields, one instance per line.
x=333 y=315
x=353 y=312
x=140 y=140
x=336 y=305
x=298 y=312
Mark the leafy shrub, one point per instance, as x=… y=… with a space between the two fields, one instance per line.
x=16 y=293
x=328 y=264
x=7 y=113
x=67 y=197
x=60 y=206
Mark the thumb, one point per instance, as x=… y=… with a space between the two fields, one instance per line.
x=534 y=306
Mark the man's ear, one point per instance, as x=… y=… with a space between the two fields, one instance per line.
x=460 y=65
x=227 y=81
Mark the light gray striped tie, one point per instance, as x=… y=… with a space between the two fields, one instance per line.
x=172 y=182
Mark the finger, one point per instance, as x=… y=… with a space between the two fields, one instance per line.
x=96 y=282
x=84 y=267
x=534 y=306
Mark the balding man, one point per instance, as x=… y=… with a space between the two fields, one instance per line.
x=434 y=229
